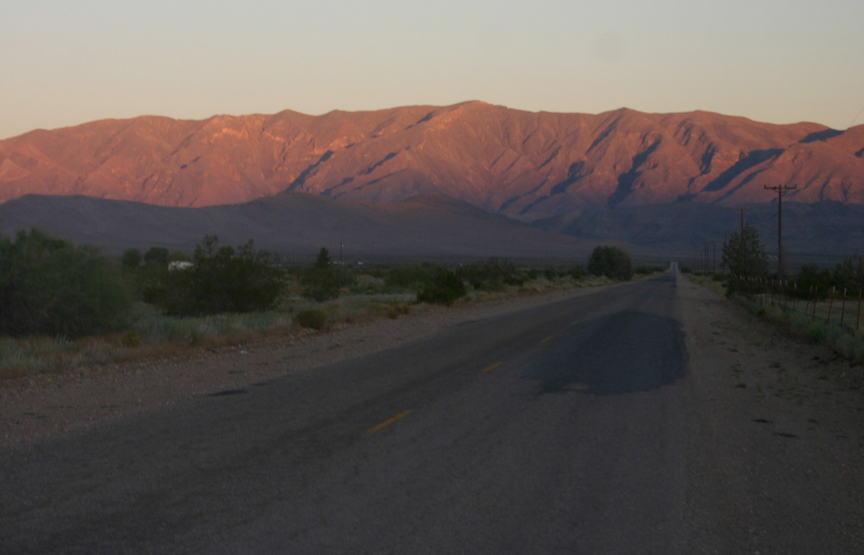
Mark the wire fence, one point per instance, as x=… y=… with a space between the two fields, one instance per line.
x=838 y=309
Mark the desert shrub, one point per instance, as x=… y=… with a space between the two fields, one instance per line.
x=131 y=338
x=646 y=270
x=577 y=272
x=51 y=287
x=410 y=276
x=131 y=258
x=179 y=256
x=322 y=281
x=156 y=255
x=445 y=288
x=220 y=280
x=612 y=262
x=396 y=309
x=319 y=284
x=493 y=275
x=311 y=318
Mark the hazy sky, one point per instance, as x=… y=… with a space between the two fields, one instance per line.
x=67 y=62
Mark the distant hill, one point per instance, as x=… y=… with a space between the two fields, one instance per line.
x=528 y=166
x=428 y=227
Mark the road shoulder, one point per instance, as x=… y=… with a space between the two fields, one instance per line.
x=778 y=436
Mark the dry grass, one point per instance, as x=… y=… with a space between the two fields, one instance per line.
x=790 y=316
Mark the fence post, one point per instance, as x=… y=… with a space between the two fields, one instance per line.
x=858 y=320
x=795 y=296
x=843 y=308
x=815 y=296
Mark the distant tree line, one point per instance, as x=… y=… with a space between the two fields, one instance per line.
x=746 y=261
x=49 y=286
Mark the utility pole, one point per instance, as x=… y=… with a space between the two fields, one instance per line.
x=713 y=255
x=780 y=190
x=742 y=219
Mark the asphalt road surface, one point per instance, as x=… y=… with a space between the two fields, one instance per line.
x=559 y=429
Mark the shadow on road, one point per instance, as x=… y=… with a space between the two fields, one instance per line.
x=626 y=352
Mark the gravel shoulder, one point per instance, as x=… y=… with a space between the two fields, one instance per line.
x=49 y=404
x=777 y=435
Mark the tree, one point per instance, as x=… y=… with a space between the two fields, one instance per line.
x=222 y=279
x=179 y=256
x=612 y=262
x=849 y=274
x=319 y=281
x=49 y=286
x=131 y=258
x=323 y=260
x=744 y=254
x=156 y=255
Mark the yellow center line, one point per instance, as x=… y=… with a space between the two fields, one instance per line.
x=387 y=422
x=545 y=339
x=493 y=367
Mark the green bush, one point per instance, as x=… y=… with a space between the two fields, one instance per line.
x=611 y=262
x=311 y=318
x=319 y=281
x=220 y=280
x=409 y=276
x=131 y=258
x=445 y=288
x=319 y=284
x=51 y=287
x=156 y=255
x=492 y=275
x=578 y=272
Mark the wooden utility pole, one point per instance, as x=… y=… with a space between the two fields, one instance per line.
x=780 y=190
x=713 y=255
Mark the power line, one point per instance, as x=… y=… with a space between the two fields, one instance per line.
x=780 y=189
x=861 y=111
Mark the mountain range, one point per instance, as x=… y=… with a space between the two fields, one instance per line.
x=556 y=171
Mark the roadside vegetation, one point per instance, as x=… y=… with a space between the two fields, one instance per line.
x=64 y=306
x=819 y=305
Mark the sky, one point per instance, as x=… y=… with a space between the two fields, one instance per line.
x=65 y=62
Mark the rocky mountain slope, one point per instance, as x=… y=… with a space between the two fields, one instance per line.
x=528 y=166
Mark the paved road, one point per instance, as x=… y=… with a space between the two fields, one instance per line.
x=560 y=429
